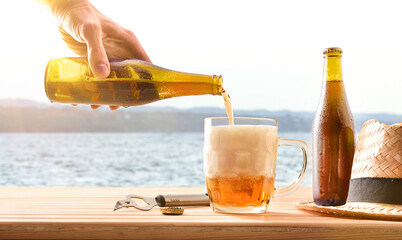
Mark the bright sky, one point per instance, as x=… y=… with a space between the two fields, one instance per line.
x=269 y=52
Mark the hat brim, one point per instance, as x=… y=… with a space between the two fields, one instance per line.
x=377 y=211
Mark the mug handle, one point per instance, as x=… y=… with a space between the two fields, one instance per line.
x=284 y=191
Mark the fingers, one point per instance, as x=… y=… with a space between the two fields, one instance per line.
x=79 y=48
x=136 y=47
x=92 y=35
x=94 y=107
x=122 y=42
x=114 y=107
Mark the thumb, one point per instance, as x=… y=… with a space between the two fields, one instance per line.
x=92 y=35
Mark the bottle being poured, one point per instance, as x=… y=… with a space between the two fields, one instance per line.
x=131 y=82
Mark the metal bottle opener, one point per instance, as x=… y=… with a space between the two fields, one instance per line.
x=170 y=200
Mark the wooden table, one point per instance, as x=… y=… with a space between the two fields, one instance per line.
x=87 y=213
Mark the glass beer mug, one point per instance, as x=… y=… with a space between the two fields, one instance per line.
x=240 y=163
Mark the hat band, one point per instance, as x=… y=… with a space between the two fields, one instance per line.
x=377 y=190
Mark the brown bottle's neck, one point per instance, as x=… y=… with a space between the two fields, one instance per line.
x=333 y=90
x=332 y=67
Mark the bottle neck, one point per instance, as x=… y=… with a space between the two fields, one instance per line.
x=187 y=84
x=217 y=82
x=332 y=67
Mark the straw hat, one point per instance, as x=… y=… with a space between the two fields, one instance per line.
x=376 y=183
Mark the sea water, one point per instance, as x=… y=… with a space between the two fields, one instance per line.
x=119 y=159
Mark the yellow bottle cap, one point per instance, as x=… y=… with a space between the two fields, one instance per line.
x=333 y=49
x=172 y=210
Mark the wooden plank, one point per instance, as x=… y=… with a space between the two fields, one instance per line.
x=110 y=231
x=87 y=213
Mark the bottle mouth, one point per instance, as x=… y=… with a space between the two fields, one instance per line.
x=217 y=88
x=333 y=55
x=333 y=50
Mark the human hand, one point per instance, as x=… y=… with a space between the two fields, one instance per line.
x=91 y=34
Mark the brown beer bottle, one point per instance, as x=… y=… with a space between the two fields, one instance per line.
x=333 y=136
x=131 y=82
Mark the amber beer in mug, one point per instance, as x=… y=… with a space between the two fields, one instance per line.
x=240 y=163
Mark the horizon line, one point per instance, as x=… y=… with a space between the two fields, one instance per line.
x=175 y=107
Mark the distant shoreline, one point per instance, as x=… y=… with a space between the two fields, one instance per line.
x=26 y=116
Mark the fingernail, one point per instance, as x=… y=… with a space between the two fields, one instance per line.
x=114 y=107
x=101 y=70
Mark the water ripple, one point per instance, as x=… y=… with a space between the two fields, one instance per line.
x=118 y=159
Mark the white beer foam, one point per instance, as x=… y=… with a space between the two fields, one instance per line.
x=241 y=149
